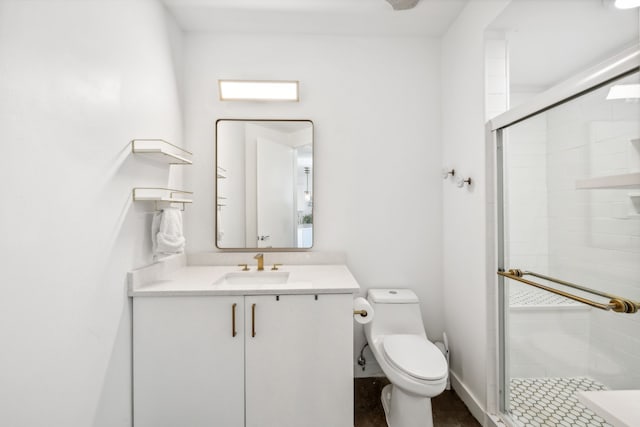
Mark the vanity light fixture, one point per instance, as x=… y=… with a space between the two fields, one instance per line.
x=258 y=90
x=627 y=4
x=307 y=194
x=628 y=91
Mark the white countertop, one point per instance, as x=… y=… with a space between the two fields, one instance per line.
x=620 y=408
x=173 y=277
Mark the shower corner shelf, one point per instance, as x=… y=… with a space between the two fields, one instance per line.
x=162 y=151
x=160 y=195
x=623 y=181
x=617 y=407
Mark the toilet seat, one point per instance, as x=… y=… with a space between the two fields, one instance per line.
x=416 y=356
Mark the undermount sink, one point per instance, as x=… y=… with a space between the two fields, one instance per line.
x=253 y=278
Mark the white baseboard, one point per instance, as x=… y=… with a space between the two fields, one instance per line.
x=476 y=409
x=493 y=421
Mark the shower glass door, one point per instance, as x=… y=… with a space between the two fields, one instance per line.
x=570 y=187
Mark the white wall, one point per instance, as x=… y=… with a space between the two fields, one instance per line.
x=78 y=81
x=496 y=74
x=375 y=107
x=465 y=222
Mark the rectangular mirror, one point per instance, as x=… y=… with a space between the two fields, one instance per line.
x=264 y=184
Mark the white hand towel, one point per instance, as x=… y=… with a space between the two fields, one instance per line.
x=170 y=239
x=155 y=227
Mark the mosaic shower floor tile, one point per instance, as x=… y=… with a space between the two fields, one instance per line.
x=521 y=296
x=550 y=402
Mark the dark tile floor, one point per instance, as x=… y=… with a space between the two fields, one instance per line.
x=448 y=409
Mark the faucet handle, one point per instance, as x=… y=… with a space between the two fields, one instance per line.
x=245 y=267
x=275 y=266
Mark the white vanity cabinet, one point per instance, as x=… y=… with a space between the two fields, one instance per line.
x=289 y=364
x=299 y=369
x=188 y=368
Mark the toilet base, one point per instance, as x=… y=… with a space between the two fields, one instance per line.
x=405 y=410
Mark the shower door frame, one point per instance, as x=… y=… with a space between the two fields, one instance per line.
x=625 y=63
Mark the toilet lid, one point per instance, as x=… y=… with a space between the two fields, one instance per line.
x=416 y=356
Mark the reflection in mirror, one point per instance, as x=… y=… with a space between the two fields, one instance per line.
x=264 y=184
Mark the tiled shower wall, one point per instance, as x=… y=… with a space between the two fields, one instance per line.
x=590 y=237
x=549 y=341
x=594 y=235
x=525 y=153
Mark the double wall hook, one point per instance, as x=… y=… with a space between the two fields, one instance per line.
x=460 y=182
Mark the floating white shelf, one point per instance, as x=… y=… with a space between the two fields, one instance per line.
x=160 y=195
x=624 y=181
x=161 y=150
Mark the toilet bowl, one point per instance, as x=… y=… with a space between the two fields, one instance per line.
x=415 y=367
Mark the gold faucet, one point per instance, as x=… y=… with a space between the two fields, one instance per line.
x=260 y=258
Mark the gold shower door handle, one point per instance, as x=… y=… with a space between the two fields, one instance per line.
x=253 y=320
x=233 y=320
x=616 y=303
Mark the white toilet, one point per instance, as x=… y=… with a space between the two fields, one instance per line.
x=416 y=368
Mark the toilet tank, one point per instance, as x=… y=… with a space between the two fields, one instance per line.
x=396 y=311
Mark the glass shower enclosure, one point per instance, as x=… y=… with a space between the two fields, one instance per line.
x=568 y=225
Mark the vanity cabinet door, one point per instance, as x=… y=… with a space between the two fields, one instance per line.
x=188 y=367
x=299 y=369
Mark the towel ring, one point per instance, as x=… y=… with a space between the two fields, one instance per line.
x=155 y=202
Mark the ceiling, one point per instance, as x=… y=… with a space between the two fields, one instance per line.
x=551 y=40
x=344 y=17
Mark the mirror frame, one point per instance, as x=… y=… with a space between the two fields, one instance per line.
x=313 y=189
